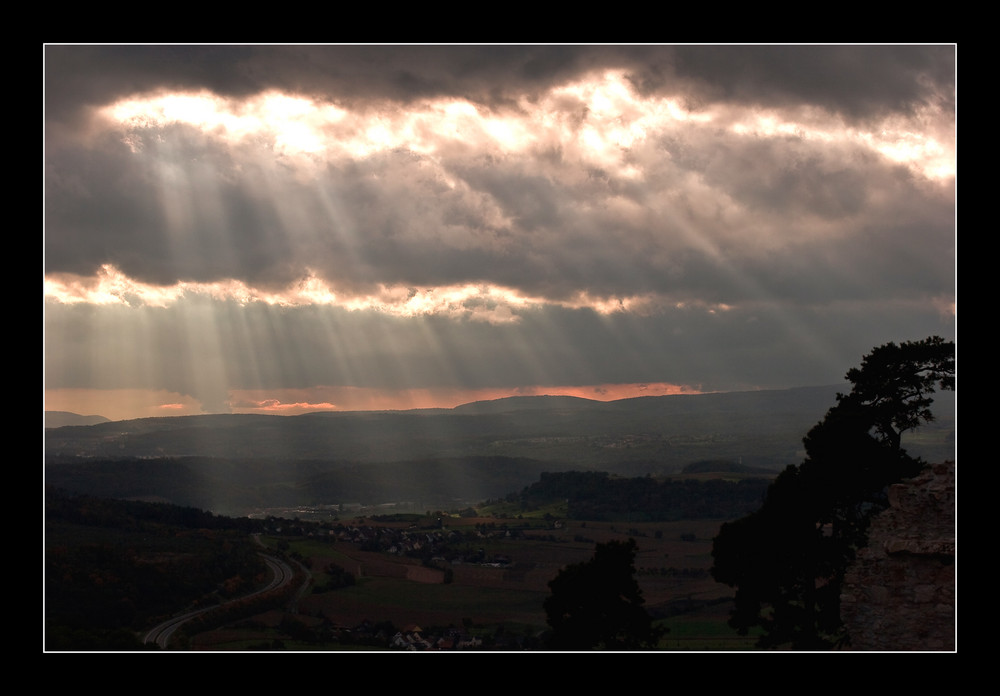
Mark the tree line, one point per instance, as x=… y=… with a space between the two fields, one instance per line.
x=601 y=497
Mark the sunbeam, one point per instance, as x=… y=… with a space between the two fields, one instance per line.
x=255 y=240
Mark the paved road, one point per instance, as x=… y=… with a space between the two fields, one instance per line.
x=282 y=575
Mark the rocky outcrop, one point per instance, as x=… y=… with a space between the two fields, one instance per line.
x=899 y=594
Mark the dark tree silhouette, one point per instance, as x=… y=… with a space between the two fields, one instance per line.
x=598 y=604
x=787 y=560
x=894 y=382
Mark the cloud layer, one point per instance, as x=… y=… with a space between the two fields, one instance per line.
x=226 y=218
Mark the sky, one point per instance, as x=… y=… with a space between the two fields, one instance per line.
x=292 y=228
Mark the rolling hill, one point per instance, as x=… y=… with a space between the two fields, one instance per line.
x=482 y=450
x=58 y=419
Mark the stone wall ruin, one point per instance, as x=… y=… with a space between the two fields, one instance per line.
x=899 y=594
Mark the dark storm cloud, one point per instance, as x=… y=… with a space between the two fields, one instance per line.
x=82 y=76
x=156 y=218
x=857 y=81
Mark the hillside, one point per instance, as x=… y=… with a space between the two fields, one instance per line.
x=58 y=419
x=763 y=427
x=229 y=463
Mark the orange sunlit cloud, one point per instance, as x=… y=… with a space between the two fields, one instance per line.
x=121 y=404
x=293 y=402
x=617 y=119
x=478 y=302
x=277 y=407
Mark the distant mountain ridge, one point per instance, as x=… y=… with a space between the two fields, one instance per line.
x=58 y=419
x=764 y=428
x=521 y=403
x=472 y=452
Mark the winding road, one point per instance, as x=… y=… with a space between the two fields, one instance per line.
x=282 y=575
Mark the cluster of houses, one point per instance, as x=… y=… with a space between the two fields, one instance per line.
x=435 y=544
x=414 y=638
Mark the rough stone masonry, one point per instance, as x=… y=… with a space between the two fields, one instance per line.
x=899 y=594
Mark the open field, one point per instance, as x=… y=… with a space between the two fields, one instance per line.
x=672 y=568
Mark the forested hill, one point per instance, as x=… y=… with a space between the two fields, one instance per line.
x=113 y=567
x=598 y=496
